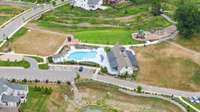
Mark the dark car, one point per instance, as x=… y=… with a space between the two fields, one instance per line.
x=80 y=69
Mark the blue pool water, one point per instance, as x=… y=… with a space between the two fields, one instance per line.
x=82 y=55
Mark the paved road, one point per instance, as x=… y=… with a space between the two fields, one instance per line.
x=70 y=73
x=148 y=88
x=34 y=73
x=10 y=28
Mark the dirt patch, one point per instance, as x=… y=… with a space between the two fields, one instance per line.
x=167 y=66
x=38 y=42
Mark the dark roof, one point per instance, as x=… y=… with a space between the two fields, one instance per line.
x=17 y=86
x=6 y=98
x=132 y=58
x=4 y=84
x=119 y=58
x=112 y=60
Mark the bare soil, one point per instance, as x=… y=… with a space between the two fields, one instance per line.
x=38 y=43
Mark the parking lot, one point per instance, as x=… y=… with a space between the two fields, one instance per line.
x=195 y=99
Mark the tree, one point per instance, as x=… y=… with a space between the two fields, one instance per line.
x=47 y=81
x=188 y=18
x=53 y=3
x=13 y=80
x=139 y=89
x=24 y=80
x=58 y=82
x=156 y=7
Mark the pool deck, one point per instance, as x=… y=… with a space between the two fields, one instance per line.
x=100 y=53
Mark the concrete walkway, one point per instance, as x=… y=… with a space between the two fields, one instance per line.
x=169 y=19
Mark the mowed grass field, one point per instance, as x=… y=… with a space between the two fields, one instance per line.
x=106 y=37
x=166 y=65
x=112 y=100
x=7 y=12
x=40 y=102
x=37 y=42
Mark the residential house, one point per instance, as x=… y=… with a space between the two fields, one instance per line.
x=122 y=60
x=12 y=94
x=87 y=4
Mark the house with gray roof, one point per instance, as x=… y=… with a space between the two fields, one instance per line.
x=122 y=60
x=12 y=94
x=87 y=4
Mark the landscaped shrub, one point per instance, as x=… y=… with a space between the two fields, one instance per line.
x=22 y=63
x=24 y=80
x=83 y=63
x=13 y=80
x=58 y=82
x=107 y=49
x=89 y=64
x=139 y=89
x=47 y=81
x=104 y=70
x=50 y=59
x=44 y=66
x=36 y=80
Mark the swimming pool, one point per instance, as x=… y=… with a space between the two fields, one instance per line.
x=82 y=55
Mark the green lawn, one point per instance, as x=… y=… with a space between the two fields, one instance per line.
x=106 y=37
x=22 y=63
x=3 y=19
x=124 y=9
x=7 y=12
x=37 y=101
x=44 y=66
x=18 y=34
x=67 y=19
